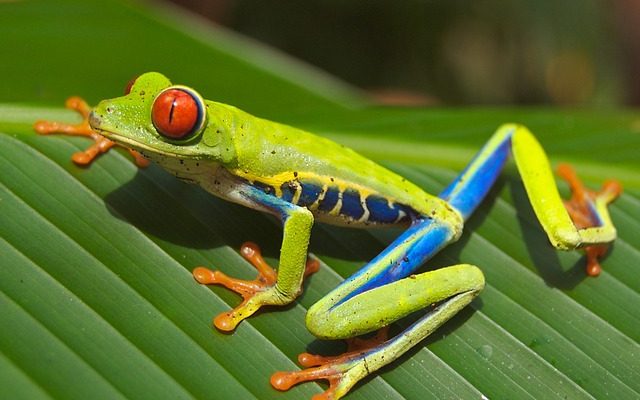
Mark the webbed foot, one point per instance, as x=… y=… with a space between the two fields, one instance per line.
x=342 y=371
x=582 y=207
x=255 y=293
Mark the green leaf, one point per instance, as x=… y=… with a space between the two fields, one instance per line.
x=96 y=295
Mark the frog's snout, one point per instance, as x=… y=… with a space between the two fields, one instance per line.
x=95 y=120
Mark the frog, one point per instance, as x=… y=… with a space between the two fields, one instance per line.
x=301 y=178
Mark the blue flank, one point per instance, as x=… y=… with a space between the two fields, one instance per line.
x=330 y=199
x=351 y=205
x=288 y=191
x=310 y=193
x=379 y=210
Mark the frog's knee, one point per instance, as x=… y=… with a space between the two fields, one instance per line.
x=318 y=321
x=565 y=239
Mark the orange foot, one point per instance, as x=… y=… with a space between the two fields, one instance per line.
x=249 y=290
x=341 y=371
x=583 y=214
x=101 y=145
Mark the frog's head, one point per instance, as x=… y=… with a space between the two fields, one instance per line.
x=167 y=123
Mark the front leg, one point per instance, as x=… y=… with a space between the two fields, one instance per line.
x=271 y=287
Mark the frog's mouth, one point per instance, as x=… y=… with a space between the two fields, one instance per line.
x=128 y=142
x=95 y=121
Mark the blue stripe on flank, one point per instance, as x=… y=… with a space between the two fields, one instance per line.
x=288 y=191
x=425 y=238
x=465 y=193
x=310 y=193
x=351 y=206
x=379 y=210
x=330 y=199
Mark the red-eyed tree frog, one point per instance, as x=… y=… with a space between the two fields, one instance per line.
x=302 y=178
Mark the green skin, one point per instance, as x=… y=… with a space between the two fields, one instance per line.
x=235 y=150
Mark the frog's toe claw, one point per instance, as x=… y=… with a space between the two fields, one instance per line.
x=594 y=253
x=285 y=380
x=204 y=275
x=81 y=158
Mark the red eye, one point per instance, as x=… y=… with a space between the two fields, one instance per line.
x=176 y=113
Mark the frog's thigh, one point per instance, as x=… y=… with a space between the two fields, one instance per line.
x=453 y=287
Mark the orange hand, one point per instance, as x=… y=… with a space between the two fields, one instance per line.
x=266 y=279
x=100 y=145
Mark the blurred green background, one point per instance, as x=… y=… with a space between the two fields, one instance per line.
x=456 y=52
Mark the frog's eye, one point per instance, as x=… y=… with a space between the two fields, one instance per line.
x=177 y=113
